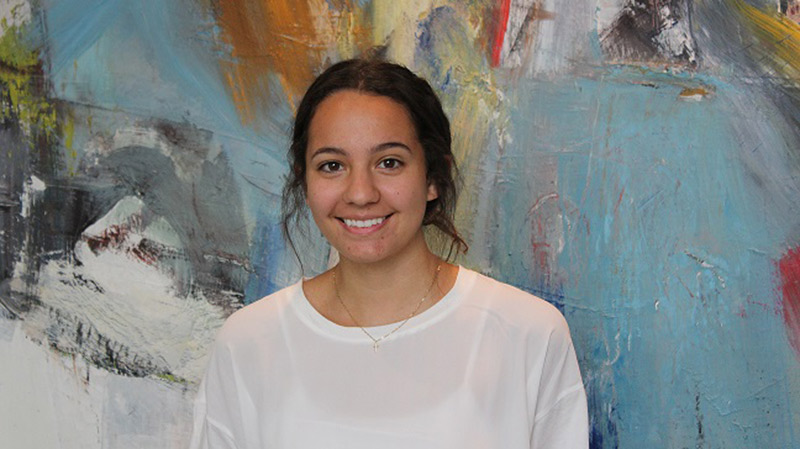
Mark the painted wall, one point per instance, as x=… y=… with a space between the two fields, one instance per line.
x=635 y=162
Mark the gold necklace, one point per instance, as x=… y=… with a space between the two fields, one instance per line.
x=376 y=342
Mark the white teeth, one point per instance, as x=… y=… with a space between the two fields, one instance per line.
x=363 y=223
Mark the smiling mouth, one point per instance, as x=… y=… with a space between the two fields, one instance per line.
x=362 y=224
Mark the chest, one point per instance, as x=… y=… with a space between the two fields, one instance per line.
x=454 y=394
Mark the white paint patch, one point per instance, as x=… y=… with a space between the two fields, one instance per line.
x=37 y=185
x=519 y=10
x=157 y=416
x=693 y=97
x=675 y=39
x=30 y=192
x=127 y=299
x=562 y=42
x=45 y=393
x=67 y=403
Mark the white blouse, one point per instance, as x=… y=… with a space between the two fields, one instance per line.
x=488 y=366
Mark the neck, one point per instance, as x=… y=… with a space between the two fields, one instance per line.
x=388 y=291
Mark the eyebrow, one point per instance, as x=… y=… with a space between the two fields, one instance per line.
x=376 y=149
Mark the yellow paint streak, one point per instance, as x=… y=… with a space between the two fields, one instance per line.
x=778 y=35
x=69 y=133
x=20 y=70
x=68 y=130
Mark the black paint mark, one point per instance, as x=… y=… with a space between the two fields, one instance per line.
x=699 y=418
x=70 y=335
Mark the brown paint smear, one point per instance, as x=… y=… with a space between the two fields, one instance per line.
x=274 y=37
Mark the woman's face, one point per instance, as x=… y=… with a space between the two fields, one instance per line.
x=366 y=181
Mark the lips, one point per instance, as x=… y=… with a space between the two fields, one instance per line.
x=364 y=224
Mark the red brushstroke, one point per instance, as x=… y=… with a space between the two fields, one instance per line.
x=789 y=269
x=116 y=237
x=501 y=21
x=113 y=237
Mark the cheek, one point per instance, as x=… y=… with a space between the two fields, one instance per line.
x=316 y=198
x=316 y=203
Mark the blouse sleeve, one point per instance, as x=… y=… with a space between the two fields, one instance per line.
x=217 y=408
x=560 y=415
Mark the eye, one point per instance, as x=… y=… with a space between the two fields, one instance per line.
x=390 y=163
x=330 y=167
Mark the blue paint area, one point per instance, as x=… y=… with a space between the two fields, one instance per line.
x=266 y=250
x=74 y=26
x=152 y=59
x=667 y=256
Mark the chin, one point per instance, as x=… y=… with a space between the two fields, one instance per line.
x=362 y=257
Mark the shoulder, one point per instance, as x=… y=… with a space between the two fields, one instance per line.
x=514 y=307
x=258 y=319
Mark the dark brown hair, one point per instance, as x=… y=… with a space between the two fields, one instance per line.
x=432 y=127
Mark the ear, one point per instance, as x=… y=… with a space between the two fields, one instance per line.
x=433 y=192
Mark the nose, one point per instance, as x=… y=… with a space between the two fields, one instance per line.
x=361 y=189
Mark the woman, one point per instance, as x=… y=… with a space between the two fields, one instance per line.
x=393 y=347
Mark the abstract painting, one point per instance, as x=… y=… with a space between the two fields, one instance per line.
x=634 y=162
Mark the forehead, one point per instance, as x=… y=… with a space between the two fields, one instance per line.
x=352 y=116
x=350 y=101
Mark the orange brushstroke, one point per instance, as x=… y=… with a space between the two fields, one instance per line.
x=695 y=93
x=267 y=36
x=278 y=38
x=692 y=91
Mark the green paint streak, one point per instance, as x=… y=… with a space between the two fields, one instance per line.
x=21 y=95
x=173 y=379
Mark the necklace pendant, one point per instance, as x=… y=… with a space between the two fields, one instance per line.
x=376 y=342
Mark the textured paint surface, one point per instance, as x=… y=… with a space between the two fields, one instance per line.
x=635 y=163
